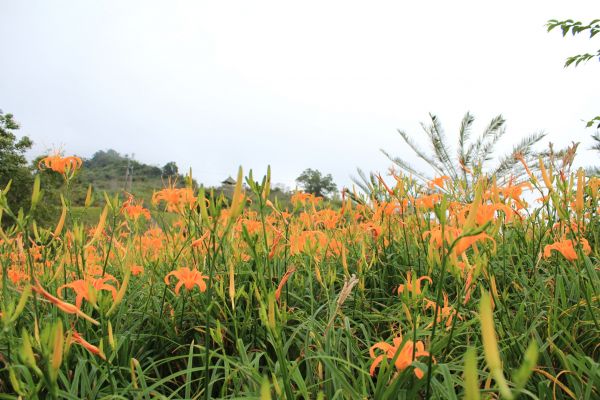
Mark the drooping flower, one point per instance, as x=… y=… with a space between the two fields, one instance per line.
x=439 y=182
x=566 y=248
x=175 y=198
x=446 y=312
x=63 y=165
x=413 y=285
x=137 y=269
x=283 y=281
x=303 y=198
x=87 y=288
x=134 y=209
x=189 y=278
x=405 y=354
x=464 y=243
x=77 y=338
x=487 y=212
x=17 y=275
x=428 y=201
x=61 y=305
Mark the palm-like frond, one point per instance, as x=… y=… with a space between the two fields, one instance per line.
x=470 y=155
x=524 y=148
x=438 y=140
x=407 y=167
x=419 y=153
x=363 y=182
x=479 y=151
x=464 y=134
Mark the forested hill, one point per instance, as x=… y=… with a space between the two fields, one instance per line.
x=112 y=172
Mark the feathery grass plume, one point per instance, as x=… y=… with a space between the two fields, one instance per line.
x=342 y=297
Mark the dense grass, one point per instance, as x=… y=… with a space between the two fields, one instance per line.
x=288 y=302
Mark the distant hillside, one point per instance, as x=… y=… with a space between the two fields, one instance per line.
x=109 y=171
x=112 y=172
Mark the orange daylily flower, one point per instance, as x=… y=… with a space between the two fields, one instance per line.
x=428 y=201
x=302 y=198
x=446 y=312
x=137 y=269
x=76 y=337
x=464 y=243
x=413 y=286
x=16 y=275
x=566 y=248
x=404 y=358
x=63 y=165
x=436 y=238
x=189 y=278
x=61 y=305
x=83 y=288
x=176 y=198
x=201 y=242
x=487 y=212
x=307 y=241
x=372 y=228
x=450 y=234
x=468 y=286
x=439 y=182
x=514 y=192
x=134 y=210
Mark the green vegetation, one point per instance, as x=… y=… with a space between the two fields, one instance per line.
x=313 y=182
x=416 y=295
x=13 y=164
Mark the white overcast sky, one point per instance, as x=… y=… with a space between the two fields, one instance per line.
x=322 y=84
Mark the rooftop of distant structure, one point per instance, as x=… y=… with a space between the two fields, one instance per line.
x=228 y=181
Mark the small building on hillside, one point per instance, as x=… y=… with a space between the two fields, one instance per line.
x=228 y=186
x=228 y=182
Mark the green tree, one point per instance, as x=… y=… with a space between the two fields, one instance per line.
x=14 y=167
x=170 y=169
x=577 y=27
x=312 y=181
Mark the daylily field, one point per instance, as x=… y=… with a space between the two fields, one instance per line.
x=453 y=288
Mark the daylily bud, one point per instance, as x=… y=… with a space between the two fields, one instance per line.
x=202 y=203
x=57 y=350
x=63 y=216
x=579 y=194
x=120 y=293
x=271 y=312
x=111 y=339
x=88 y=196
x=26 y=351
x=267 y=186
x=36 y=194
x=547 y=179
x=22 y=302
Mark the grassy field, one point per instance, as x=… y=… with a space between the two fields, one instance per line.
x=415 y=291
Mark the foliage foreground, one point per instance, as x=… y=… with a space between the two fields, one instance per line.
x=412 y=293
